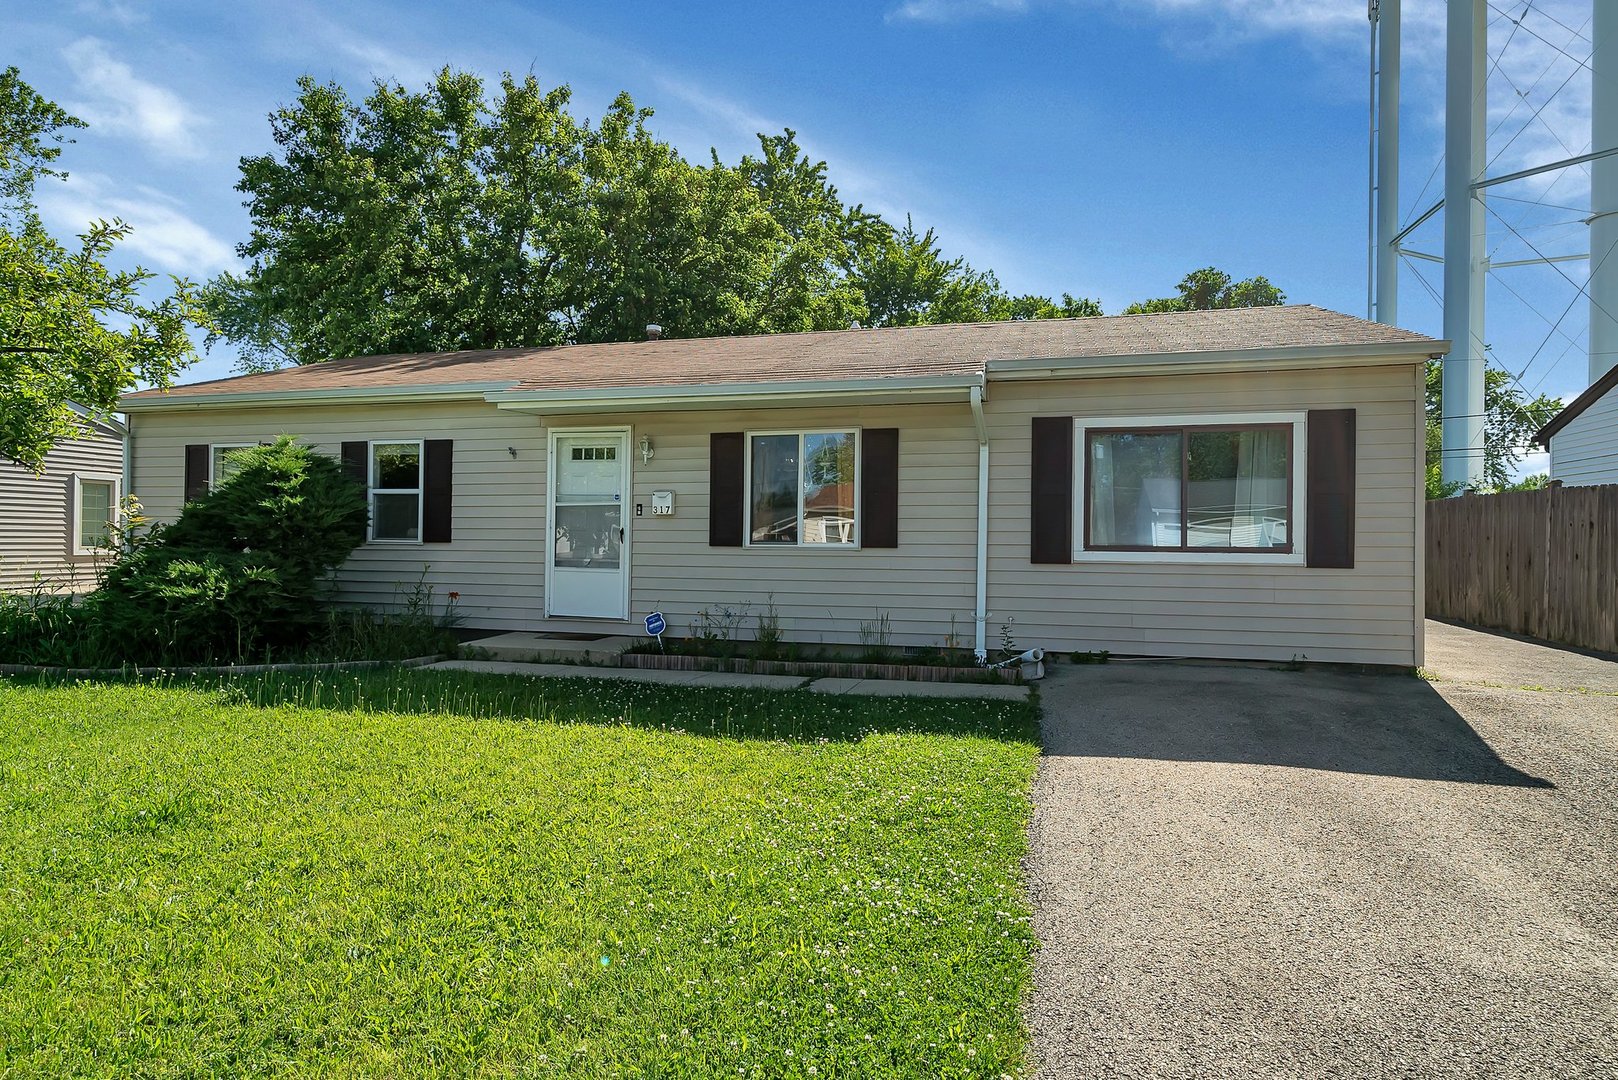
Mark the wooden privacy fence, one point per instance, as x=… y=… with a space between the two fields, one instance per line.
x=1541 y=563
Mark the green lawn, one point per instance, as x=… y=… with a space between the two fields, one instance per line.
x=435 y=873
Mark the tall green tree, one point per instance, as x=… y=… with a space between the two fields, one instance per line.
x=907 y=281
x=807 y=282
x=444 y=219
x=59 y=305
x=1511 y=418
x=1209 y=288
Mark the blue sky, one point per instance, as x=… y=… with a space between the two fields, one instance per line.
x=1099 y=147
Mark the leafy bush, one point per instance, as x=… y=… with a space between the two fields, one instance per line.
x=244 y=573
x=245 y=569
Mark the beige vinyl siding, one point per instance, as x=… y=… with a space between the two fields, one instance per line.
x=1168 y=608
x=1369 y=614
x=36 y=515
x=497 y=558
x=1586 y=450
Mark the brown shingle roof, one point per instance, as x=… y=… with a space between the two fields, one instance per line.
x=891 y=352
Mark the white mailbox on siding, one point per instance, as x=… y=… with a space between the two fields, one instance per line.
x=662 y=503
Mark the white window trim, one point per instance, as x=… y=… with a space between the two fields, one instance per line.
x=1300 y=474
x=213 y=449
x=419 y=491
x=747 y=488
x=76 y=522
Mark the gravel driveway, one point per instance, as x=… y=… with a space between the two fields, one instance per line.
x=1240 y=871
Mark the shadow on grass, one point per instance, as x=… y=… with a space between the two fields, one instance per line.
x=796 y=716
x=1381 y=725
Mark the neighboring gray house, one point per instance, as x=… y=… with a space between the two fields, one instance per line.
x=55 y=525
x=1239 y=483
x=1583 y=437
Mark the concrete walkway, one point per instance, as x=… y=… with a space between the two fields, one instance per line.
x=857 y=687
x=1250 y=872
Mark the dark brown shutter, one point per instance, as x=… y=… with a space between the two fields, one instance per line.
x=726 y=499
x=355 y=463
x=1050 y=495
x=1329 y=535
x=438 y=489
x=196 y=471
x=879 y=488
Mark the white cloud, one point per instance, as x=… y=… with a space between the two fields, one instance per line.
x=955 y=10
x=159 y=230
x=119 y=101
x=118 y=11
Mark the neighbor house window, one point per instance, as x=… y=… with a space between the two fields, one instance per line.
x=221 y=466
x=396 y=491
x=1189 y=488
x=95 y=502
x=802 y=488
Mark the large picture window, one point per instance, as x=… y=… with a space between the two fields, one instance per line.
x=802 y=488
x=396 y=491
x=1205 y=488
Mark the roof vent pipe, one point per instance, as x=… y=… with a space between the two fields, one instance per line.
x=653 y=331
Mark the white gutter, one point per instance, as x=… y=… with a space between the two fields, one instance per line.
x=334 y=395
x=712 y=395
x=980 y=614
x=1197 y=363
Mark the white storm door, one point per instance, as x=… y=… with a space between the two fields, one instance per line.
x=587 y=559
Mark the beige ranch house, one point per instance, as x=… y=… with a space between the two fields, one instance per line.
x=1237 y=484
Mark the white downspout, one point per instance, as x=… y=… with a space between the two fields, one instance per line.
x=128 y=486
x=980 y=616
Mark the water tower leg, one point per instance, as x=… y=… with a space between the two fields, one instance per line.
x=1387 y=163
x=1464 y=242
x=1603 y=190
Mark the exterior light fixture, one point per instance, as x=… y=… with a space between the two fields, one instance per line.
x=645 y=449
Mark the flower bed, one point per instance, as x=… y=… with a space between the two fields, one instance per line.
x=819 y=669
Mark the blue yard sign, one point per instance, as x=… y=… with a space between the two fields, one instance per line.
x=655 y=625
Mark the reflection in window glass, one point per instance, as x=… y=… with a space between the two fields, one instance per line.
x=225 y=463
x=1135 y=489
x=1236 y=489
x=395 y=516
x=773 y=501
x=396 y=465
x=828 y=488
x=589 y=536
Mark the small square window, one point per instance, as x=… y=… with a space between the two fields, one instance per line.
x=222 y=464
